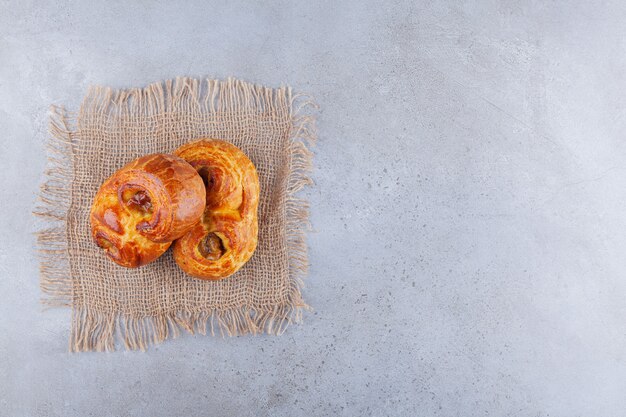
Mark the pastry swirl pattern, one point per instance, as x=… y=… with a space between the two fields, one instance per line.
x=227 y=235
x=144 y=206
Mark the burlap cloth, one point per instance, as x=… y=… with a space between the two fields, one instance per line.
x=154 y=302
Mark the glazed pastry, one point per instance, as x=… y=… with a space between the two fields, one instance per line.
x=227 y=235
x=144 y=206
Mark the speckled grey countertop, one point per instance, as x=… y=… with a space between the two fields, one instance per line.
x=469 y=213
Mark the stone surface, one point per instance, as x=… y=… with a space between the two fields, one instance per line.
x=467 y=252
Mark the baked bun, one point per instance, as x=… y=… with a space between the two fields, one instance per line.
x=144 y=206
x=227 y=235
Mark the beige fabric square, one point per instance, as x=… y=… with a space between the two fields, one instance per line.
x=152 y=303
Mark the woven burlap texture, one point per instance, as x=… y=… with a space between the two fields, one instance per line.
x=149 y=304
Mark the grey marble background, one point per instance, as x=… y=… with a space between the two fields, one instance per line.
x=468 y=252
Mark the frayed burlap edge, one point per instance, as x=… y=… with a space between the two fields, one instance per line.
x=95 y=330
x=53 y=206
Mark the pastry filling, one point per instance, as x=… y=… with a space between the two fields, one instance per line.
x=207 y=177
x=103 y=243
x=212 y=247
x=107 y=245
x=138 y=201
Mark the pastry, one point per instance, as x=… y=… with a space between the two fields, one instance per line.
x=144 y=206
x=226 y=237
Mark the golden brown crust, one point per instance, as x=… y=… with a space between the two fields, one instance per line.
x=144 y=206
x=227 y=236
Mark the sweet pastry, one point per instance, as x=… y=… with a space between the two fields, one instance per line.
x=144 y=206
x=224 y=240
